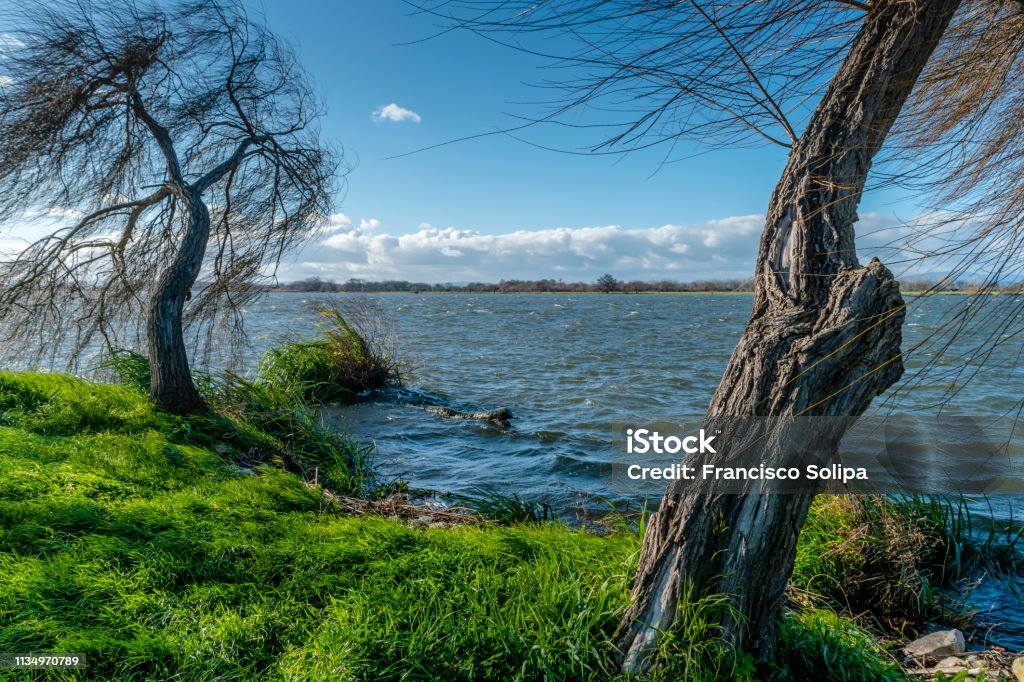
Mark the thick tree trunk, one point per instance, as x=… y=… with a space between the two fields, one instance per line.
x=823 y=340
x=171 y=385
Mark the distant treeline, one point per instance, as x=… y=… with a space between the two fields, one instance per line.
x=604 y=284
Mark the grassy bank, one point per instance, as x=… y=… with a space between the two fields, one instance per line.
x=126 y=535
x=193 y=549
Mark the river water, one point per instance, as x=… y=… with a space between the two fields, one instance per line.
x=572 y=367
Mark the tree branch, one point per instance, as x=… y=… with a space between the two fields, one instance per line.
x=774 y=110
x=229 y=164
x=162 y=137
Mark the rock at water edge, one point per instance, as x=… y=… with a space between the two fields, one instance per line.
x=937 y=645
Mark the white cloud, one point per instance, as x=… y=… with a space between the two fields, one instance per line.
x=718 y=249
x=10 y=248
x=393 y=112
x=339 y=222
x=8 y=43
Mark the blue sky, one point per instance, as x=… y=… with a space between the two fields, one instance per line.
x=461 y=84
x=497 y=207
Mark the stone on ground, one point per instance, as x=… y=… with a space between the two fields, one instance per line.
x=937 y=645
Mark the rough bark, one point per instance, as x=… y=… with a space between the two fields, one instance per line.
x=171 y=385
x=823 y=340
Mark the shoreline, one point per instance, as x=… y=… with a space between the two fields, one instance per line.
x=212 y=539
x=505 y=293
x=913 y=293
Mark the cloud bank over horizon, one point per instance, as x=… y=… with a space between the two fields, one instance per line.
x=720 y=249
x=717 y=249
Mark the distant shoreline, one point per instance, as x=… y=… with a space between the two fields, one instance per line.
x=613 y=293
x=504 y=293
x=605 y=284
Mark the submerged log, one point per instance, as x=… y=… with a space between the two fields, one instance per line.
x=497 y=417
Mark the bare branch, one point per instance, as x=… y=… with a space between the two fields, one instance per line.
x=657 y=72
x=229 y=164
x=162 y=137
x=772 y=107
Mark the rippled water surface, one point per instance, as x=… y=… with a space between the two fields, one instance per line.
x=570 y=367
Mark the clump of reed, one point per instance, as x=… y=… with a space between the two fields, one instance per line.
x=354 y=355
x=888 y=560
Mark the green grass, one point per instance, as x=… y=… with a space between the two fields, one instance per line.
x=191 y=549
x=157 y=558
x=819 y=645
x=253 y=421
x=506 y=508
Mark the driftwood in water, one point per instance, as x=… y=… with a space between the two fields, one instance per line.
x=400 y=508
x=497 y=417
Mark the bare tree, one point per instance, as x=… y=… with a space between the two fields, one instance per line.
x=173 y=144
x=828 y=81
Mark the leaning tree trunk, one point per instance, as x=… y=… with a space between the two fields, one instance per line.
x=823 y=340
x=171 y=385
